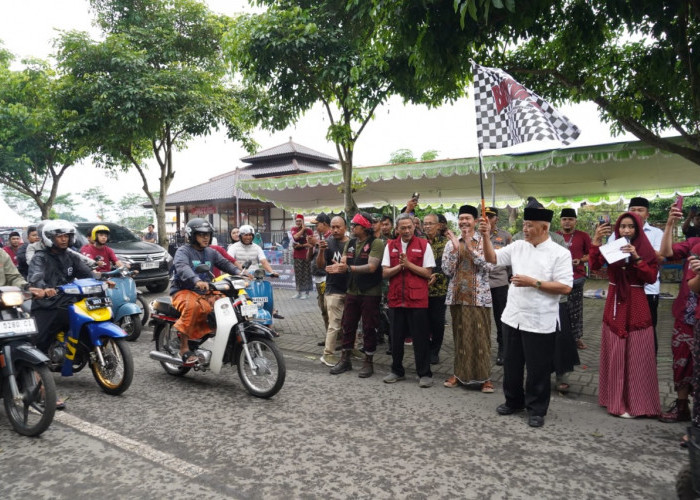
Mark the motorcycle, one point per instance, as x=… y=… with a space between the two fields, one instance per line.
x=92 y=338
x=238 y=339
x=26 y=385
x=260 y=292
x=129 y=308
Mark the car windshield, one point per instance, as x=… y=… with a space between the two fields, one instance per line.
x=119 y=233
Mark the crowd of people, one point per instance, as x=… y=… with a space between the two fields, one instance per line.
x=409 y=270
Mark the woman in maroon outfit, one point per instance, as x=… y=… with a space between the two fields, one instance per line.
x=628 y=384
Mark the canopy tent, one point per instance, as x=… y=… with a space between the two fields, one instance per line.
x=10 y=218
x=591 y=174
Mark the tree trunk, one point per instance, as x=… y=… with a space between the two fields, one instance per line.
x=160 y=222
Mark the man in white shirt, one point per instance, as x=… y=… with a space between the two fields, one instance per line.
x=408 y=262
x=542 y=271
x=245 y=250
x=640 y=206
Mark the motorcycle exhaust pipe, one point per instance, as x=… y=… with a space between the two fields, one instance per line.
x=167 y=358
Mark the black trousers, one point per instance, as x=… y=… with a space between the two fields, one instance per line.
x=535 y=352
x=49 y=322
x=410 y=322
x=653 y=301
x=436 y=323
x=499 y=297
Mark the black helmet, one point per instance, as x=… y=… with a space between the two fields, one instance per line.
x=197 y=226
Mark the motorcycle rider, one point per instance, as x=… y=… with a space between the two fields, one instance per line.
x=99 y=251
x=245 y=250
x=10 y=276
x=189 y=290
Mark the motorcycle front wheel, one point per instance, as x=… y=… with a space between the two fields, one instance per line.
x=131 y=326
x=34 y=411
x=118 y=371
x=266 y=377
x=146 y=310
x=168 y=342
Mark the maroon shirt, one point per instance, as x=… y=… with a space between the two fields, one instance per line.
x=683 y=250
x=107 y=254
x=8 y=249
x=301 y=253
x=579 y=244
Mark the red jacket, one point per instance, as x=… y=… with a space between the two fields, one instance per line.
x=407 y=289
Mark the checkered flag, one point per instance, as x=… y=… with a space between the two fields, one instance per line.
x=507 y=113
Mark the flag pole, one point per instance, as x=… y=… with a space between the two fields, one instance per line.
x=481 y=182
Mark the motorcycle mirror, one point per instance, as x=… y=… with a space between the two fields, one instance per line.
x=247 y=264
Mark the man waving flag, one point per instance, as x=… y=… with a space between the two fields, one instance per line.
x=507 y=113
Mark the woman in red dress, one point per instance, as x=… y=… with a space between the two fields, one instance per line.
x=628 y=384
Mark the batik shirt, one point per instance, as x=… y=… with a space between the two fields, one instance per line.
x=468 y=272
x=439 y=288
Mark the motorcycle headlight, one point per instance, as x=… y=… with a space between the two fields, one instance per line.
x=12 y=299
x=240 y=284
x=89 y=290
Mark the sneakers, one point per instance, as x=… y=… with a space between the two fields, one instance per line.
x=329 y=359
x=425 y=382
x=297 y=296
x=408 y=341
x=392 y=378
x=304 y=296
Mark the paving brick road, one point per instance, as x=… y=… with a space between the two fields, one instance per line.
x=303 y=328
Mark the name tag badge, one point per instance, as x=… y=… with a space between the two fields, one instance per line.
x=394 y=250
x=416 y=250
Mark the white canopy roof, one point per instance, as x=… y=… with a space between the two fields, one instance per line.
x=592 y=174
x=10 y=218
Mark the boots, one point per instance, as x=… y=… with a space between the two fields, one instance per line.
x=678 y=412
x=344 y=365
x=367 y=367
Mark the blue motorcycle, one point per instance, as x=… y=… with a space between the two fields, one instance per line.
x=129 y=308
x=260 y=292
x=92 y=338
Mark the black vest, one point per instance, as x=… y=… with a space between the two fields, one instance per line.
x=360 y=258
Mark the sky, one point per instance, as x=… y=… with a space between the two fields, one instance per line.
x=28 y=28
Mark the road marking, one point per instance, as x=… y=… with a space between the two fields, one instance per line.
x=143 y=450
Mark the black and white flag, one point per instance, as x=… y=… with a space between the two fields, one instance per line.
x=507 y=113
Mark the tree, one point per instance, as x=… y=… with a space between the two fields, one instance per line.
x=300 y=52
x=20 y=203
x=156 y=80
x=99 y=201
x=131 y=212
x=402 y=156
x=638 y=61
x=36 y=142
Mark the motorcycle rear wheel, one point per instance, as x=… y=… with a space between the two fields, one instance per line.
x=131 y=326
x=271 y=368
x=116 y=376
x=168 y=342
x=34 y=413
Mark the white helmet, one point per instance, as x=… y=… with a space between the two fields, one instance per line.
x=54 y=228
x=246 y=229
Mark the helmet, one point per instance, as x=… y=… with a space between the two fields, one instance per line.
x=197 y=226
x=53 y=228
x=246 y=229
x=99 y=229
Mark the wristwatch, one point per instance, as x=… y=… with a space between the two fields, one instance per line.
x=538 y=284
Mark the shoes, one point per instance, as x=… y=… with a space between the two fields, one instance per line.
x=277 y=315
x=61 y=405
x=425 y=382
x=626 y=415
x=322 y=343
x=344 y=365
x=535 y=421
x=563 y=387
x=678 y=412
x=581 y=345
x=504 y=409
x=304 y=296
x=682 y=444
x=329 y=359
x=392 y=378
x=367 y=369
x=451 y=382
x=408 y=341
x=388 y=352
x=487 y=387
x=434 y=359
x=297 y=296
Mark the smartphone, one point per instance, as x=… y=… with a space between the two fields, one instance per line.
x=679 y=202
x=603 y=219
x=415 y=196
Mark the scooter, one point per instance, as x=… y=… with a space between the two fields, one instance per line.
x=260 y=292
x=238 y=339
x=92 y=338
x=129 y=308
x=26 y=385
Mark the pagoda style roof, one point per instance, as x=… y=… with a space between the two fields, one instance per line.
x=290 y=150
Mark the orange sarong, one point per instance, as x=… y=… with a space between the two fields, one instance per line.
x=194 y=309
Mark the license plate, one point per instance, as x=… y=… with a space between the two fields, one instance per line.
x=150 y=265
x=18 y=326
x=98 y=302
x=249 y=310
